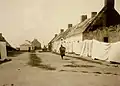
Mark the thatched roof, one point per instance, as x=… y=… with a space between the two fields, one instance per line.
x=9 y=47
x=53 y=39
x=108 y=16
x=80 y=27
x=4 y=40
x=58 y=36
x=64 y=34
x=105 y=18
x=76 y=29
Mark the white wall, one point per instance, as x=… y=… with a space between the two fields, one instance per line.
x=25 y=48
x=72 y=44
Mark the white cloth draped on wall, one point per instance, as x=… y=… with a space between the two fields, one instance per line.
x=93 y=49
x=77 y=47
x=114 y=52
x=86 y=48
x=3 y=51
x=100 y=50
x=70 y=47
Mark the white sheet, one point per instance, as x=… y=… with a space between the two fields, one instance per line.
x=100 y=50
x=3 y=50
x=84 y=51
x=77 y=46
x=92 y=48
x=114 y=53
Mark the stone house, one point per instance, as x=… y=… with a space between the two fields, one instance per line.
x=105 y=26
x=36 y=44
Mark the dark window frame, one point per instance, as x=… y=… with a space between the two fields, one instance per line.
x=105 y=39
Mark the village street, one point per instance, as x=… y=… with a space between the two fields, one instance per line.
x=47 y=69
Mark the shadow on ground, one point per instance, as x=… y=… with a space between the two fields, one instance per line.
x=37 y=62
x=13 y=53
x=95 y=72
x=76 y=65
x=73 y=65
x=10 y=54
x=66 y=59
x=4 y=61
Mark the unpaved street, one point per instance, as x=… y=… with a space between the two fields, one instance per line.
x=47 y=69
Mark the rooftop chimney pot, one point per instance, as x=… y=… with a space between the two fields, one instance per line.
x=69 y=25
x=110 y=3
x=83 y=18
x=0 y=34
x=55 y=35
x=93 y=14
x=61 y=30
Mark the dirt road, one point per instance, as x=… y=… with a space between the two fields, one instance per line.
x=47 y=69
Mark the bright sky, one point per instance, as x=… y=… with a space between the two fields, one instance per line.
x=41 y=19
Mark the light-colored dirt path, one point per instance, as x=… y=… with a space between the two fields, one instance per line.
x=19 y=73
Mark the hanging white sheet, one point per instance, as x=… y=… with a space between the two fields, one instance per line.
x=3 y=50
x=114 y=53
x=86 y=47
x=100 y=50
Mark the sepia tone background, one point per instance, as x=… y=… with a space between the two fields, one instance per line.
x=41 y=19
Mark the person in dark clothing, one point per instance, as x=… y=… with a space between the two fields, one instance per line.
x=62 y=51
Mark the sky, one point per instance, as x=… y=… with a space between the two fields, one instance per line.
x=22 y=20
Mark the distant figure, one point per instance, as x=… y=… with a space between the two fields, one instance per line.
x=62 y=51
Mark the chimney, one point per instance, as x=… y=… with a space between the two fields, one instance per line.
x=0 y=34
x=83 y=18
x=55 y=35
x=110 y=3
x=69 y=25
x=93 y=14
x=61 y=30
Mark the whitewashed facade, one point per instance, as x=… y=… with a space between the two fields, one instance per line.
x=26 y=47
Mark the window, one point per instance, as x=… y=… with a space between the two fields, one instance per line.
x=106 y=39
x=61 y=39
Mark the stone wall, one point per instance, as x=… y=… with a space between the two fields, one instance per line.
x=113 y=34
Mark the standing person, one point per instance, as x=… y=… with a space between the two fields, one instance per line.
x=62 y=51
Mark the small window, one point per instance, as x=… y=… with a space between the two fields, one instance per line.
x=106 y=39
x=61 y=39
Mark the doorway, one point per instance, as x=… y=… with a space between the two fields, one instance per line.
x=29 y=49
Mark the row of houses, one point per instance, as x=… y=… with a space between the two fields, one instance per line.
x=103 y=26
